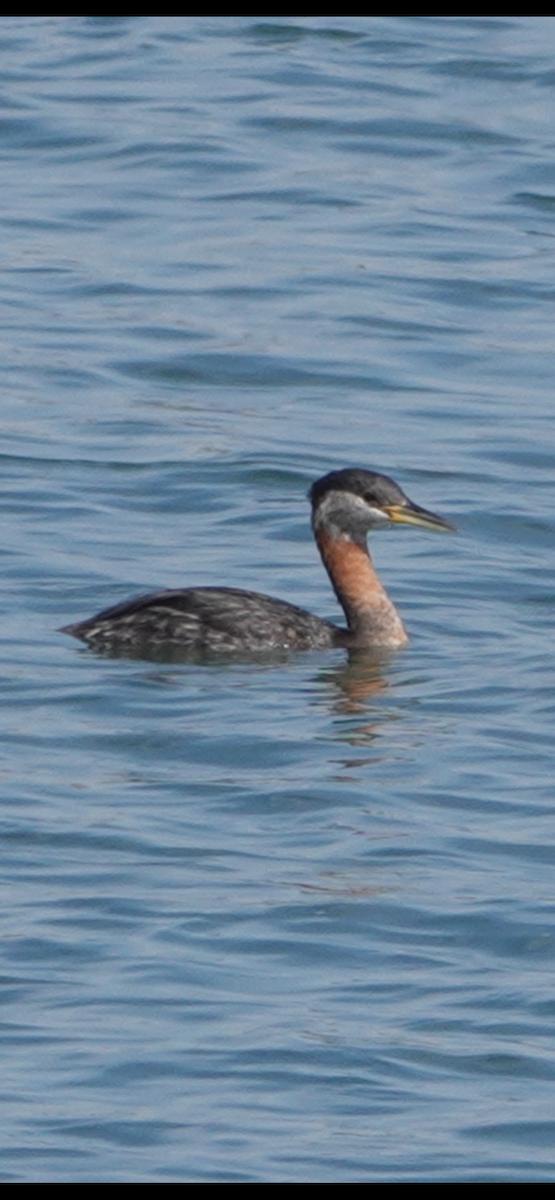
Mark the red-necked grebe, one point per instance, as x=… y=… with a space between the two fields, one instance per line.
x=346 y=506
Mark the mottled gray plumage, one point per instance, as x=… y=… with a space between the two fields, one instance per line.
x=216 y=620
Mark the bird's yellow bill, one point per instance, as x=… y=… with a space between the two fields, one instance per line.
x=411 y=514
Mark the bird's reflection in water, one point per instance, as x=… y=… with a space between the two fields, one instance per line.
x=352 y=686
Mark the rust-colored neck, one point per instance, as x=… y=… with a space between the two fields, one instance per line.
x=372 y=618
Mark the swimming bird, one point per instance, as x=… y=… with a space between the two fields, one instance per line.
x=346 y=506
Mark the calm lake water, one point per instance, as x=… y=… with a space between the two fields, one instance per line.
x=289 y=920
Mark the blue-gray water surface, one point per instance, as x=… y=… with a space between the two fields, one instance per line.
x=294 y=919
